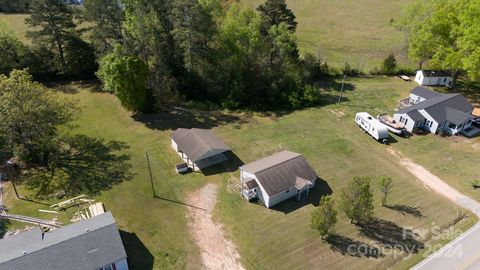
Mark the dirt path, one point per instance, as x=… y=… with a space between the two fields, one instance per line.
x=216 y=250
x=436 y=184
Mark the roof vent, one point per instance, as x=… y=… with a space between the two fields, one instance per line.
x=87 y=229
x=24 y=252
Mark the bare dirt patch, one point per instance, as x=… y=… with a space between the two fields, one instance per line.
x=217 y=252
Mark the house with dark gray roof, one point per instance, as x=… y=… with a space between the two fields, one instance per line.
x=433 y=77
x=90 y=244
x=277 y=178
x=199 y=148
x=435 y=112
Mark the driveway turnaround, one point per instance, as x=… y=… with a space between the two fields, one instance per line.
x=463 y=252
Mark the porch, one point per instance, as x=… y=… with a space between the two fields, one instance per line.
x=404 y=102
x=249 y=188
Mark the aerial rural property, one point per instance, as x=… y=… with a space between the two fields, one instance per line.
x=239 y=134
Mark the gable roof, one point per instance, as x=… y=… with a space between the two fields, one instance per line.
x=280 y=171
x=197 y=143
x=424 y=92
x=435 y=73
x=437 y=106
x=415 y=115
x=88 y=244
x=457 y=117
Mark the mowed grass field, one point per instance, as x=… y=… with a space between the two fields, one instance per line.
x=154 y=229
x=357 y=32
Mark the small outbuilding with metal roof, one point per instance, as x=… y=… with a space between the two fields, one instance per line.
x=199 y=148
x=277 y=178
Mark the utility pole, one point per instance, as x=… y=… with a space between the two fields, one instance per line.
x=150 y=172
x=341 y=90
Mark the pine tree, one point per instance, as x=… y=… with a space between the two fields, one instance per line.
x=54 y=21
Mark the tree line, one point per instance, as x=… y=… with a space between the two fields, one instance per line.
x=153 y=52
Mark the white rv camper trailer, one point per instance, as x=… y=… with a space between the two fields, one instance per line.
x=371 y=125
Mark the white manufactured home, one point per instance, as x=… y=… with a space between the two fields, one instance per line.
x=199 y=148
x=435 y=112
x=277 y=178
x=372 y=126
x=433 y=77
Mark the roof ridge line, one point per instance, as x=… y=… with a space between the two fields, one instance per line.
x=275 y=165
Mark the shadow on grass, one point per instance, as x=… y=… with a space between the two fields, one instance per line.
x=405 y=209
x=232 y=164
x=321 y=189
x=3 y=227
x=391 y=235
x=175 y=117
x=138 y=255
x=178 y=202
x=82 y=164
x=347 y=246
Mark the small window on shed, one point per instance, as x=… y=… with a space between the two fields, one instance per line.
x=444 y=79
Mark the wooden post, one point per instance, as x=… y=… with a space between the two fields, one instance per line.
x=150 y=173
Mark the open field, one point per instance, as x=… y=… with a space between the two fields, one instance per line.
x=344 y=30
x=17 y=23
x=155 y=229
x=358 y=32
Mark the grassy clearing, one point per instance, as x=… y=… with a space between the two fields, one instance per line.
x=344 y=30
x=17 y=24
x=154 y=229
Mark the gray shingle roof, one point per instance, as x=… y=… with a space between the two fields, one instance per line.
x=415 y=115
x=424 y=92
x=436 y=73
x=437 y=108
x=457 y=117
x=280 y=171
x=88 y=244
x=196 y=143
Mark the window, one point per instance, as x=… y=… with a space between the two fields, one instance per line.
x=406 y=121
x=444 y=79
x=401 y=119
x=108 y=267
x=431 y=123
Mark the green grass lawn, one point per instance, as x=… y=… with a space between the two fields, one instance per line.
x=344 y=30
x=17 y=24
x=154 y=229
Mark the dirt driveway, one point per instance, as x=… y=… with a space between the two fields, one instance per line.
x=217 y=252
x=433 y=182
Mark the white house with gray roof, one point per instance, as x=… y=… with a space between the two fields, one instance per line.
x=91 y=244
x=277 y=178
x=199 y=148
x=433 y=77
x=435 y=112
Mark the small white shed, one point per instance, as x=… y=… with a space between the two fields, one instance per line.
x=433 y=78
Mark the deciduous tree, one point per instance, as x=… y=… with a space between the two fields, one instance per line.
x=324 y=217
x=386 y=184
x=31 y=115
x=125 y=76
x=357 y=200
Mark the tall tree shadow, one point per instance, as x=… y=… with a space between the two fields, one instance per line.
x=348 y=246
x=138 y=255
x=405 y=209
x=175 y=117
x=391 y=235
x=82 y=164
